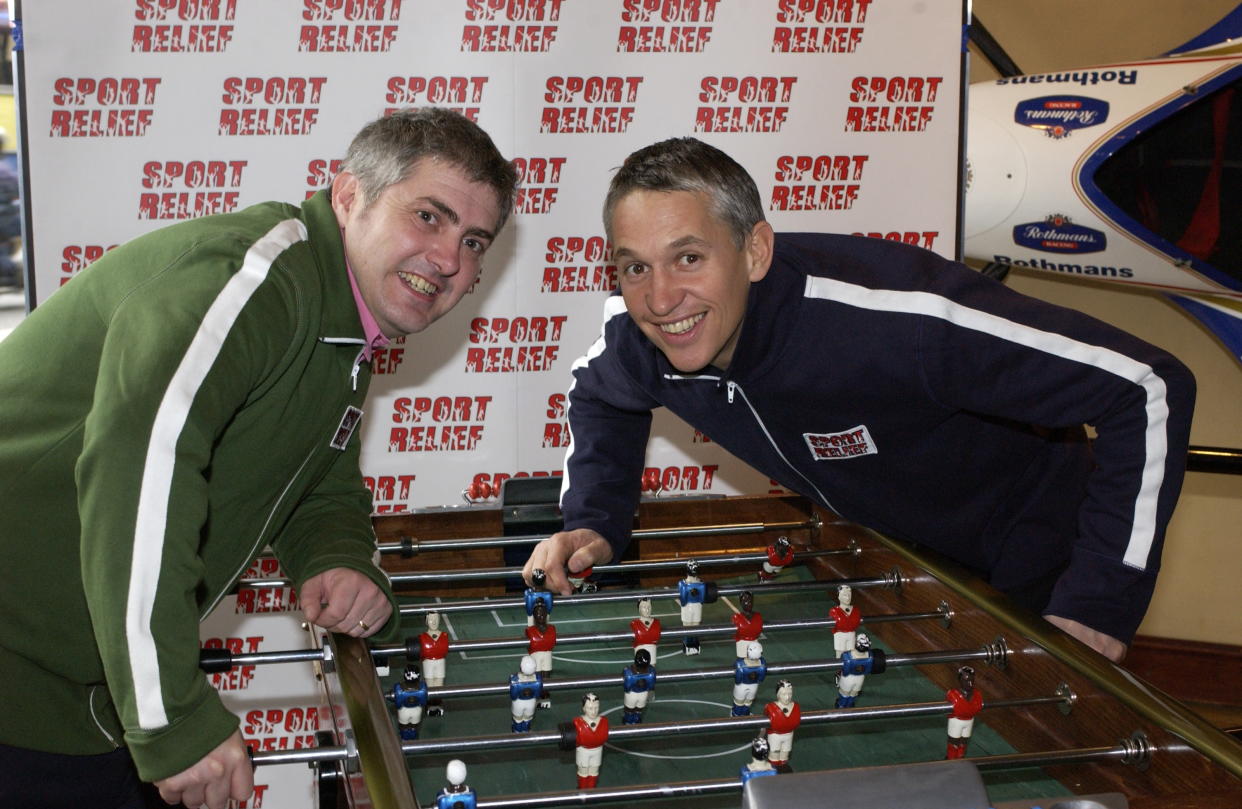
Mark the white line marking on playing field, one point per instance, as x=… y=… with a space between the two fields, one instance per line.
x=729 y=752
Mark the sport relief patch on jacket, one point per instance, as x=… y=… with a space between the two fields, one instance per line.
x=349 y=422
x=851 y=443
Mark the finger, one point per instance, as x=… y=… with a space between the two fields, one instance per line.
x=170 y=795
x=312 y=592
x=336 y=611
x=535 y=561
x=242 y=781
x=554 y=567
x=216 y=793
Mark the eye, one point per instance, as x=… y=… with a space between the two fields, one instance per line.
x=690 y=258
x=474 y=245
x=426 y=216
x=634 y=270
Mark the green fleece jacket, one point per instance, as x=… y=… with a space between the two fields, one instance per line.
x=167 y=414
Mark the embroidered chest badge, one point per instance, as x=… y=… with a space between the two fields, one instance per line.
x=850 y=443
x=349 y=423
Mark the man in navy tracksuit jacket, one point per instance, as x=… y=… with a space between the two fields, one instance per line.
x=905 y=392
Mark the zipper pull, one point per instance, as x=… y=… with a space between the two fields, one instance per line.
x=729 y=388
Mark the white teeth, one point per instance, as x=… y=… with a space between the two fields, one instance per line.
x=419 y=284
x=681 y=326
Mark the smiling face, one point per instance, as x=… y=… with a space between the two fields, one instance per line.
x=419 y=246
x=684 y=280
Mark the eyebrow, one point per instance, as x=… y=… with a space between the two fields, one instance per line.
x=452 y=216
x=676 y=244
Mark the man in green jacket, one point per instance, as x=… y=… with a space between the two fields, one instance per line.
x=190 y=399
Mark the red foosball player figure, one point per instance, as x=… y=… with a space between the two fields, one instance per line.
x=784 y=716
x=580 y=581
x=646 y=629
x=748 y=624
x=847 y=619
x=433 y=652
x=592 y=732
x=780 y=556
x=966 y=701
x=456 y=795
x=541 y=640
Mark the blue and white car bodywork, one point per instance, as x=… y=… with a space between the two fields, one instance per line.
x=1128 y=173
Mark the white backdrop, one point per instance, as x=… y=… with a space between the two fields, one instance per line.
x=141 y=112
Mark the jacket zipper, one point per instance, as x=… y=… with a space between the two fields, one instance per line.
x=730 y=388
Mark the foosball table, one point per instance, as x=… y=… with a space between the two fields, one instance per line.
x=1053 y=718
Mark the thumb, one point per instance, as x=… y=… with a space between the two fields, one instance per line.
x=310 y=596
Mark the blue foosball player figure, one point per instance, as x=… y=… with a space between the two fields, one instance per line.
x=691 y=593
x=538 y=591
x=856 y=664
x=759 y=764
x=456 y=795
x=524 y=690
x=639 y=683
x=410 y=697
x=748 y=672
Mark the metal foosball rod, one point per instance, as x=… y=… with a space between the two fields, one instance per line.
x=700 y=726
x=216 y=660
x=1062 y=699
x=1133 y=751
x=994 y=654
x=891 y=580
x=622 y=568
x=409 y=546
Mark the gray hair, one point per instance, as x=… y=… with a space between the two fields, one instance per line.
x=689 y=164
x=386 y=150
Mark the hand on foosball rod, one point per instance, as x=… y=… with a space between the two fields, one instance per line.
x=1106 y=645
x=223 y=774
x=576 y=550
x=346 y=601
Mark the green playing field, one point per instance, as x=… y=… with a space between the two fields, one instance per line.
x=718 y=755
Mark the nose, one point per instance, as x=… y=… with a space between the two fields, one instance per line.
x=663 y=293
x=445 y=253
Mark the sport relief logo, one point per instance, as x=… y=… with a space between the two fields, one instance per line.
x=237 y=677
x=556 y=431
x=579 y=264
x=510 y=26
x=275 y=105
x=103 y=107
x=349 y=26
x=534 y=343
x=265 y=598
x=437 y=423
x=1058 y=234
x=539 y=180
x=283 y=728
x=1058 y=116
x=819 y=26
x=743 y=103
x=390 y=494
x=665 y=26
x=589 y=104
x=891 y=103
x=77 y=257
x=461 y=94
x=834 y=182
x=183 y=189
x=850 y=443
x=183 y=26
x=319 y=174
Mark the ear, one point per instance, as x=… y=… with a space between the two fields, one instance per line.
x=759 y=246
x=346 y=195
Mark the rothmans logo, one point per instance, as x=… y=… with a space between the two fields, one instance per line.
x=1057 y=234
x=1058 y=116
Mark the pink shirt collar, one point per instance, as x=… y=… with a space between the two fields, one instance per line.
x=375 y=338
